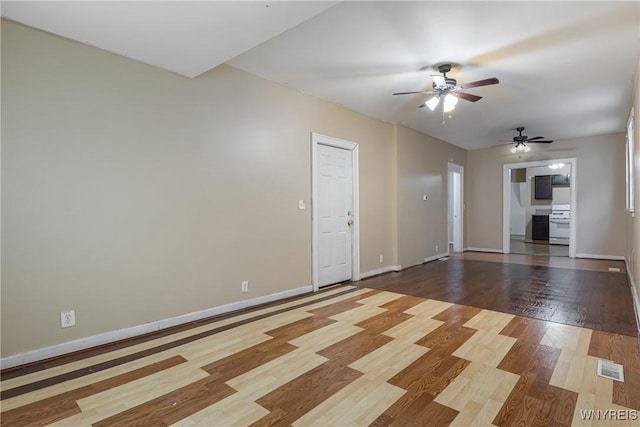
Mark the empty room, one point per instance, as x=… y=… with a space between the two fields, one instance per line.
x=320 y=213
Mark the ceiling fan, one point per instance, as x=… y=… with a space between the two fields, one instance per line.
x=522 y=140
x=448 y=89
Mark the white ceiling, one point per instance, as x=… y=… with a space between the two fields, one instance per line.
x=566 y=69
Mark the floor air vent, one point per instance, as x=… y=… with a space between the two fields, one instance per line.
x=610 y=370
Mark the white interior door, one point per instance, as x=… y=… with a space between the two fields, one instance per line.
x=335 y=214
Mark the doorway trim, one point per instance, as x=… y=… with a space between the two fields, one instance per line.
x=319 y=139
x=506 y=199
x=458 y=238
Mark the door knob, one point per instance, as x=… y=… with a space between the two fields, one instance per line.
x=350 y=223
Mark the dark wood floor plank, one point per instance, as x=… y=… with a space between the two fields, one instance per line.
x=556 y=406
x=407 y=407
x=524 y=349
x=592 y=299
x=64 y=405
x=383 y=321
x=446 y=339
x=172 y=407
x=533 y=401
x=333 y=308
x=434 y=415
x=354 y=347
x=244 y=361
x=41 y=413
x=301 y=327
x=403 y=303
x=300 y=395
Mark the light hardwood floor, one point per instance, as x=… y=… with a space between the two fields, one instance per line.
x=348 y=356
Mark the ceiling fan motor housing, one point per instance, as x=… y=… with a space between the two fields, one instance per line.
x=449 y=83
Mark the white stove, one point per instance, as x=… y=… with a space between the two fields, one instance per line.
x=559 y=220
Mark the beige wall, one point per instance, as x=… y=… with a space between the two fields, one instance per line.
x=599 y=179
x=131 y=194
x=422 y=163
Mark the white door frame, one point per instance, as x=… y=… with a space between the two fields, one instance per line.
x=319 y=139
x=506 y=200
x=458 y=238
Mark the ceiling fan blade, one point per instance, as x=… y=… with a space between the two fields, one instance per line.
x=485 y=82
x=467 y=96
x=539 y=142
x=439 y=81
x=536 y=137
x=411 y=93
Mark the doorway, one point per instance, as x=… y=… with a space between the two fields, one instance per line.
x=335 y=216
x=527 y=215
x=456 y=204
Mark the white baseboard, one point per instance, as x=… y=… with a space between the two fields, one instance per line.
x=380 y=271
x=109 y=337
x=594 y=256
x=435 y=257
x=634 y=293
x=496 y=251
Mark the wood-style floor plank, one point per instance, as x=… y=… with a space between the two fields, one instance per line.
x=364 y=357
x=575 y=292
x=64 y=405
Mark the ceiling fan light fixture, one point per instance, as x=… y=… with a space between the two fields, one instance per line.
x=520 y=147
x=450 y=102
x=433 y=103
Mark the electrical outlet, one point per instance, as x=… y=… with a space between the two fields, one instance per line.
x=301 y=205
x=245 y=286
x=436 y=248
x=381 y=259
x=67 y=318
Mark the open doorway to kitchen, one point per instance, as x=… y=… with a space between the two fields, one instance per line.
x=539 y=206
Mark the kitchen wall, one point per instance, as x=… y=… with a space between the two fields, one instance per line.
x=599 y=178
x=132 y=194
